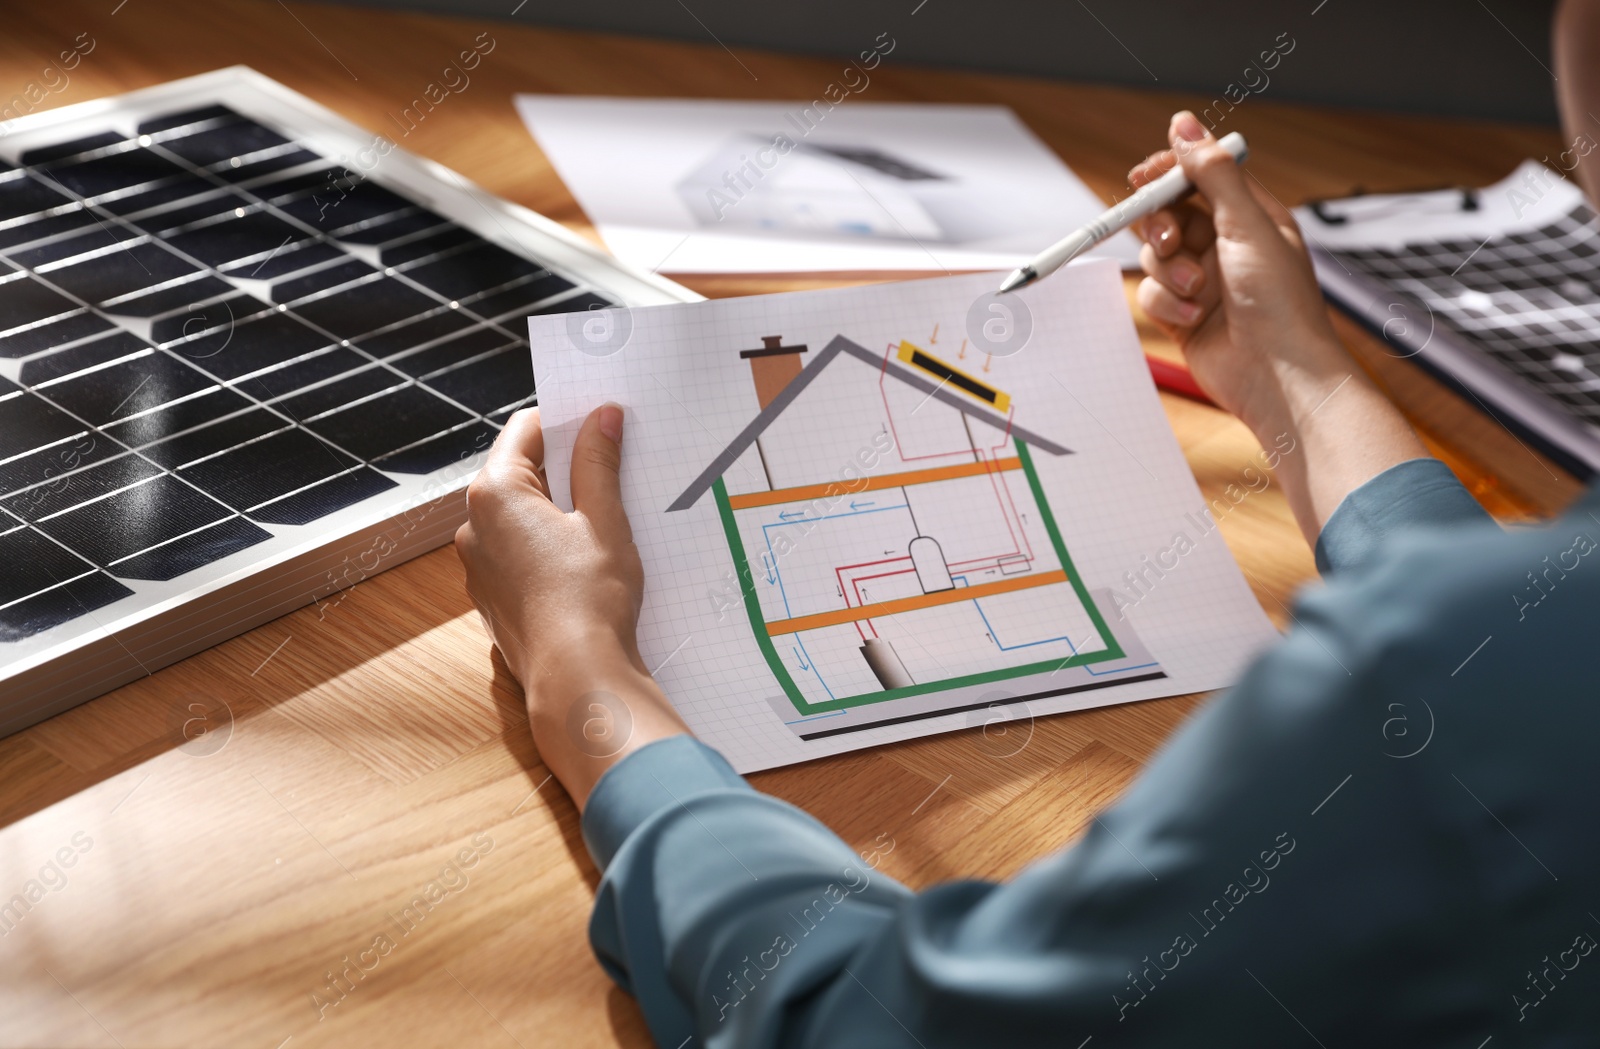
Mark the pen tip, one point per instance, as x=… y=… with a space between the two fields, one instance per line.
x=1018 y=278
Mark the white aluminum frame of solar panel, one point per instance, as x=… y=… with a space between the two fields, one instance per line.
x=165 y=621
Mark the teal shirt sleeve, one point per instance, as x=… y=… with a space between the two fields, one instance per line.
x=1332 y=847
x=1419 y=492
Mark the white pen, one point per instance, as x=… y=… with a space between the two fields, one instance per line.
x=1149 y=199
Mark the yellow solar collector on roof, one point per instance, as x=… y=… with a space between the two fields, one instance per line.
x=917 y=357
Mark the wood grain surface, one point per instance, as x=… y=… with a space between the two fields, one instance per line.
x=369 y=756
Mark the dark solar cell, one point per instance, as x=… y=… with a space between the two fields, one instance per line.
x=160 y=509
x=442 y=451
x=22 y=195
x=71 y=328
x=48 y=465
x=321 y=280
x=120 y=272
x=475 y=270
x=331 y=181
x=323 y=499
x=267 y=469
x=280 y=381
x=213 y=316
x=33 y=563
x=341 y=391
x=89 y=233
x=219 y=243
x=522 y=299
x=28 y=422
x=225 y=142
x=341 y=206
x=202 y=208
x=80 y=487
x=392 y=227
x=286 y=259
x=491 y=383
x=182 y=118
x=252 y=345
x=249 y=169
x=193 y=303
x=176 y=418
x=192 y=551
x=409 y=336
x=61 y=605
x=200 y=329
x=364 y=307
x=167 y=193
x=215 y=437
x=24 y=300
x=125 y=389
x=422 y=247
x=71 y=147
x=452 y=351
x=388 y=423
x=84 y=355
x=114 y=171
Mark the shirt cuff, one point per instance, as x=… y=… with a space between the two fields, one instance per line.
x=657 y=776
x=1418 y=492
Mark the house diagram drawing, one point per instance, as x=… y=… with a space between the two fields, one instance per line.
x=897 y=554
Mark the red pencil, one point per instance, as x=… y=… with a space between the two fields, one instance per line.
x=1175 y=378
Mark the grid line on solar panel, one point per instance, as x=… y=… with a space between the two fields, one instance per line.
x=325 y=498
x=57 y=605
x=303 y=489
x=81 y=575
x=55 y=463
x=193 y=550
x=174 y=539
x=102 y=481
x=196 y=394
x=38 y=564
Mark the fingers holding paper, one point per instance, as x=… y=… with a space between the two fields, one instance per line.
x=560 y=593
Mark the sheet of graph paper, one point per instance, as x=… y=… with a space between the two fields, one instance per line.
x=878 y=513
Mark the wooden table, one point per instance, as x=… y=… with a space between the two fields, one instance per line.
x=232 y=897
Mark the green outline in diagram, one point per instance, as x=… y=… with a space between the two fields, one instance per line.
x=758 y=623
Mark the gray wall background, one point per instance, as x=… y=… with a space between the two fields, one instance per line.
x=1469 y=58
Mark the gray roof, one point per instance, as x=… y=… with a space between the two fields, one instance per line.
x=841 y=345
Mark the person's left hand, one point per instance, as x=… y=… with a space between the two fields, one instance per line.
x=560 y=594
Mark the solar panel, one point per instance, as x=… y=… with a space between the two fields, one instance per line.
x=234 y=362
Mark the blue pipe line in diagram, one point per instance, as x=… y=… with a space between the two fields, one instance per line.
x=775 y=576
x=1029 y=644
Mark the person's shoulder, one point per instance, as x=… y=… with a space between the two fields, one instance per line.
x=1435 y=599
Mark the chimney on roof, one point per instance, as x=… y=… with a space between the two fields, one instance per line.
x=773 y=366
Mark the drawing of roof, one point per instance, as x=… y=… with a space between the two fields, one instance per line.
x=837 y=347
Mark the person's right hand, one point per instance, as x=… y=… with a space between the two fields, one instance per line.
x=1230 y=281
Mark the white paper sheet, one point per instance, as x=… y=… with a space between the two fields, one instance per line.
x=692 y=186
x=913 y=535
